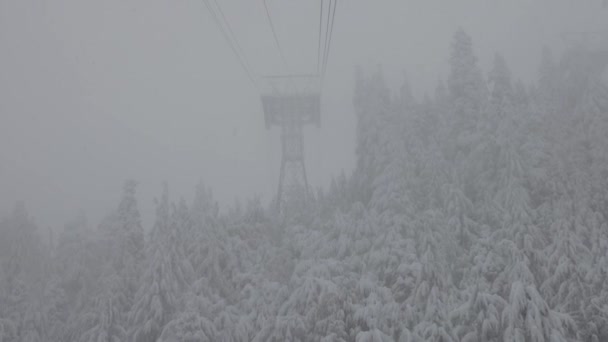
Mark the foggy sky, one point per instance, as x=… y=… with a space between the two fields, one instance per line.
x=95 y=92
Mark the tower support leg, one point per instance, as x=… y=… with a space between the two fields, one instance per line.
x=293 y=182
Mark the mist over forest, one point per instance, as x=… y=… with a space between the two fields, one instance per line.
x=471 y=204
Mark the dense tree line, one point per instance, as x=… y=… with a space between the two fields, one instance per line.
x=476 y=214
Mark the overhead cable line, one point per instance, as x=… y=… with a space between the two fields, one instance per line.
x=329 y=27
x=236 y=41
x=331 y=32
x=319 y=46
x=326 y=38
x=230 y=38
x=274 y=34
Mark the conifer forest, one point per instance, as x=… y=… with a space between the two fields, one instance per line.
x=477 y=212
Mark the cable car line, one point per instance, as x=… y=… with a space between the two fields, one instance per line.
x=274 y=34
x=230 y=39
x=230 y=29
x=319 y=46
x=326 y=39
x=326 y=16
x=236 y=41
x=331 y=32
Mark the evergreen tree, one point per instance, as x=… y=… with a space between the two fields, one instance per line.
x=167 y=276
x=372 y=107
x=467 y=92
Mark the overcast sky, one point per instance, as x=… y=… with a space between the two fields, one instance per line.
x=93 y=92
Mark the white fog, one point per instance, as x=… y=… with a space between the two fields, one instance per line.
x=412 y=171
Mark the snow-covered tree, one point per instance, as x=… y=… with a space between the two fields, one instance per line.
x=467 y=93
x=166 y=278
x=476 y=214
x=527 y=317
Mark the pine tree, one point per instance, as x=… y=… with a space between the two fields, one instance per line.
x=501 y=88
x=527 y=317
x=547 y=72
x=467 y=91
x=21 y=275
x=128 y=228
x=406 y=98
x=108 y=327
x=372 y=107
x=167 y=276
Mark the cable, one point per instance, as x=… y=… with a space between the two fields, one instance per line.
x=331 y=34
x=274 y=34
x=236 y=41
x=233 y=43
x=328 y=37
x=319 y=46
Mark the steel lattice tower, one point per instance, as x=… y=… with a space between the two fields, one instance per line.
x=291 y=103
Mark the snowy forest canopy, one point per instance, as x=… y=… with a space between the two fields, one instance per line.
x=475 y=214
